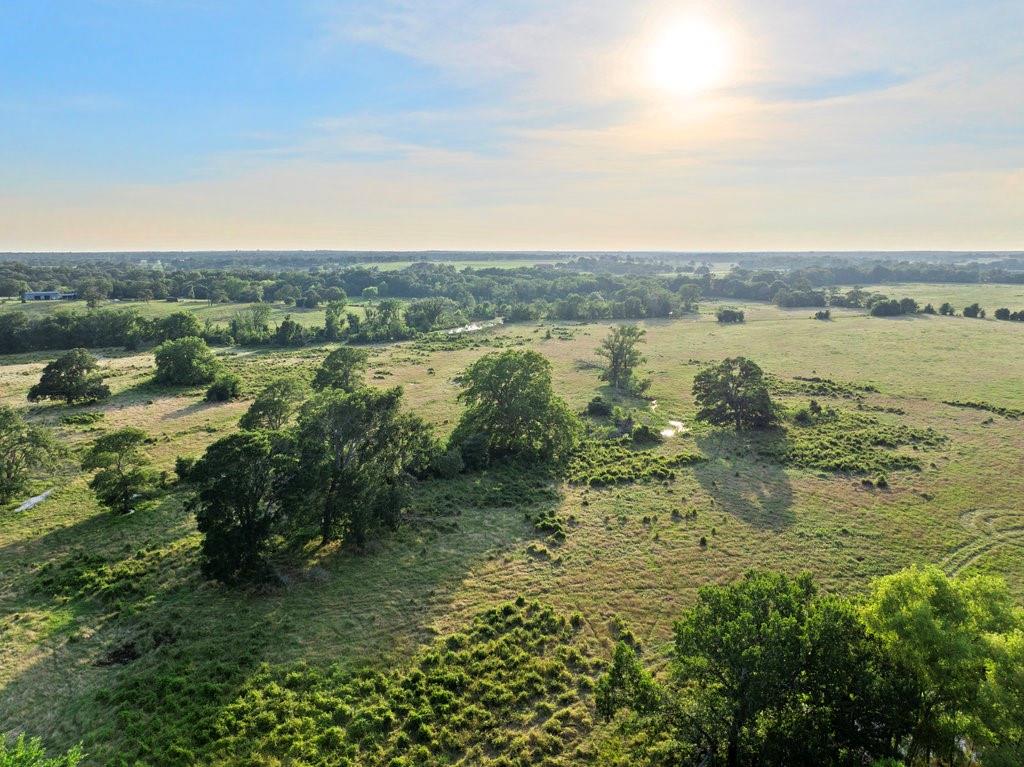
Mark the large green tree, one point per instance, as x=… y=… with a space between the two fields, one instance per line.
x=620 y=349
x=121 y=467
x=342 y=369
x=275 y=405
x=733 y=393
x=24 y=448
x=951 y=635
x=764 y=672
x=185 y=362
x=512 y=408
x=236 y=506
x=352 y=450
x=72 y=377
x=178 y=325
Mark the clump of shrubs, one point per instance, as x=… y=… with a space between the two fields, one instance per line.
x=599 y=407
x=226 y=387
x=726 y=315
x=508 y=689
x=611 y=462
x=823 y=314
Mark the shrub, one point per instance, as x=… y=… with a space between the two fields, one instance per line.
x=448 y=465
x=599 y=408
x=1002 y=313
x=185 y=362
x=730 y=315
x=824 y=314
x=183 y=466
x=643 y=434
x=227 y=386
x=974 y=311
x=473 y=450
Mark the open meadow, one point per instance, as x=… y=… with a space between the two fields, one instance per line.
x=112 y=638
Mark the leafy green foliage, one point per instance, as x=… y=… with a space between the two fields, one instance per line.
x=122 y=475
x=178 y=325
x=227 y=386
x=613 y=462
x=275 y=405
x=510 y=690
x=850 y=442
x=764 y=671
x=72 y=377
x=957 y=639
x=29 y=752
x=235 y=505
x=24 y=449
x=619 y=348
x=185 y=362
x=512 y=406
x=733 y=393
x=342 y=369
x=352 y=450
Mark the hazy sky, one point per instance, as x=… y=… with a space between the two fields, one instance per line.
x=496 y=124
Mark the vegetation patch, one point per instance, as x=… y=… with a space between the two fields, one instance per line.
x=815 y=386
x=86 y=418
x=514 y=688
x=1006 y=412
x=86 y=575
x=850 y=442
x=613 y=462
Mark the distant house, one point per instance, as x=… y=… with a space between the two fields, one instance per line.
x=48 y=295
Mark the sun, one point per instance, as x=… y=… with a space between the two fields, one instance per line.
x=688 y=57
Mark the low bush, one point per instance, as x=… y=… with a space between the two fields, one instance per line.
x=511 y=689
x=227 y=386
x=730 y=315
x=613 y=462
x=599 y=408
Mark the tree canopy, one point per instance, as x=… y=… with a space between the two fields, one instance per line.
x=733 y=393
x=619 y=348
x=72 y=377
x=342 y=369
x=352 y=449
x=120 y=464
x=235 y=505
x=24 y=448
x=185 y=362
x=513 y=410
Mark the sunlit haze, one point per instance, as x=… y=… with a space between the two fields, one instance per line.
x=517 y=124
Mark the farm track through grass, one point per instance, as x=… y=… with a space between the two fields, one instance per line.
x=79 y=587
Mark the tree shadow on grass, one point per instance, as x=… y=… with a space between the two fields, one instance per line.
x=741 y=481
x=163 y=657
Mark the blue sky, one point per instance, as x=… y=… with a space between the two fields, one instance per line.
x=177 y=124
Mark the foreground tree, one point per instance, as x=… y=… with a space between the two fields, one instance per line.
x=185 y=362
x=72 y=377
x=342 y=370
x=950 y=634
x=236 y=506
x=619 y=347
x=275 y=405
x=178 y=325
x=24 y=449
x=29 y=752
x=764 y=671
x=352 y=450
x=512 y=410
x=733 y=393
x=121 y=468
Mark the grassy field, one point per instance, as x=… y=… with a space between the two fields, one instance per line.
x=204 y=310
x=77 y=584
x=990 y=296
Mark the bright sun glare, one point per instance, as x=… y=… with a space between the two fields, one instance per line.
x=689 y=57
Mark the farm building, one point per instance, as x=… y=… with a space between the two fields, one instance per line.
x=48 y=295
